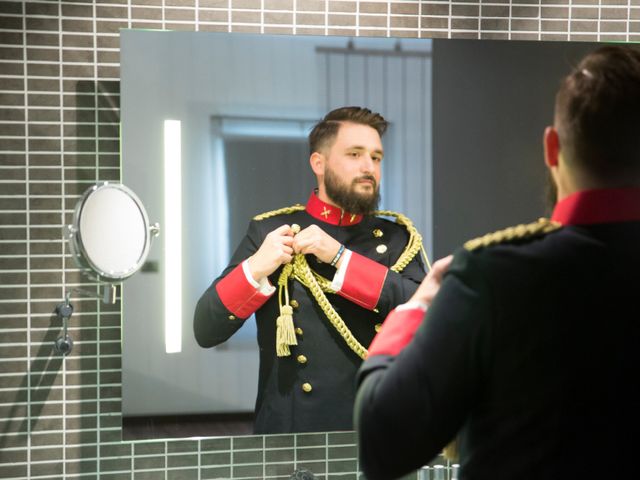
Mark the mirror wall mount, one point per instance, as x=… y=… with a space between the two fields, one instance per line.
x=109 y=239
x=64 y=343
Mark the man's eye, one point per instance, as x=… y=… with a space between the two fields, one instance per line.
x=354 y=154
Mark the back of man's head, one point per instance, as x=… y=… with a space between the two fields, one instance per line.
x=598 y=116
x=324 y=132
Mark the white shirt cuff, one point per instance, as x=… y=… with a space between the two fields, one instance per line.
x=263 y=285
x=338 y=278
x=412 y=305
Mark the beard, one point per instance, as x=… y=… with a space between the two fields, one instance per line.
x=347 y=197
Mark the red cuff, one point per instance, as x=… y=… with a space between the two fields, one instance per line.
x=363 y=281
x=238 y=295
x=396 y=332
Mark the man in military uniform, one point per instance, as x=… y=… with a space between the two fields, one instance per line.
x=530 y=352
x=320 y=279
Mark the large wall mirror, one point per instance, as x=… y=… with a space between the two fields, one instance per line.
x=214 y=131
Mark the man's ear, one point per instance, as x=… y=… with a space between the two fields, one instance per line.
x=317 y=162
x=551 y=142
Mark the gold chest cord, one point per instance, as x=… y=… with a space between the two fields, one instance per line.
x=300 y=270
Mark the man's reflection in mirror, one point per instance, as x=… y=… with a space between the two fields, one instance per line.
x=320 y=279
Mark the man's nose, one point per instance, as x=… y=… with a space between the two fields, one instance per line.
x=367 y=164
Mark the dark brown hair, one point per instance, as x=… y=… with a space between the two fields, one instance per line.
x=324 y=132
x=597 y=114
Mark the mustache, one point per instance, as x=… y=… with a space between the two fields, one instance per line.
x=366 y=177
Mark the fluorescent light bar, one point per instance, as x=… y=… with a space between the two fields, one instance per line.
x=172 y=232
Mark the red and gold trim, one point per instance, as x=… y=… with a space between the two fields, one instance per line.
x=238 y=295
x=330 y=213
x=397 y=331
x=598 y=206
x=363 y=281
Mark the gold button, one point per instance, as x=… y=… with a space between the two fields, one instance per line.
x=381 y=248
x=378 y=327
x=294 y=304
x=232 y=317
x=301 y=359
x=298 y=331
x=377 y=233
x=295 y=227
x=376 y=310
x=306 y=387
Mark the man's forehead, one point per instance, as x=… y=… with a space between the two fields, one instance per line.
x=358 y=134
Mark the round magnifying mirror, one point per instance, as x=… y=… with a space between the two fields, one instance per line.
x=110 y=235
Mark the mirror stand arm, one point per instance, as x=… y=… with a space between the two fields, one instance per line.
x=108 y=296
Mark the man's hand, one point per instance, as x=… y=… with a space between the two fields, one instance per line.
x=314 y=240
x=276 y=249
x=431 y=283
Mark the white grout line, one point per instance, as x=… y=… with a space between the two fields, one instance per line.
x=449 y=18
x=199 y=453
x=539 y=19
x=419 y=18
x=166 y=458
x=599 y=18
x=326 y=17
x=628 y=19
x=388 y=15
x=569 y=19
x=262 y=16
x=509 y=24
x=197 y=19
x=326 y=453
x=480 y=20
x=295 y=16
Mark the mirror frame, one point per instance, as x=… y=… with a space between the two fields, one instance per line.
x=78 y=249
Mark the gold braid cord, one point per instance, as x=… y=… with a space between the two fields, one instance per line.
x=309 y=280
x=300 y=270
x=281 y=211
x=519 y=232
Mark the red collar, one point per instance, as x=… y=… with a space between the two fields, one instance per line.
x=598 y=206
x=329 y=213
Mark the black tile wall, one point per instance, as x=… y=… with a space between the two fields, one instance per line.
x=59 y=114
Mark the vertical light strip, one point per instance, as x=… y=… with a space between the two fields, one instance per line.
x=172 y=233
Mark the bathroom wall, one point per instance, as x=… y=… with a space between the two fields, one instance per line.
x=59 y=113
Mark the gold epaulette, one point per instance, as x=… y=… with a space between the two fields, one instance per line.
x=519 y=232
x=281 y=211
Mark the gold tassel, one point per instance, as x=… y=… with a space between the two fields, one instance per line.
x=285 y=333
x=450 y=452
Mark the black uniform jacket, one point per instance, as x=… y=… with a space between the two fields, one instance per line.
x=530 y=350
x=321 y=362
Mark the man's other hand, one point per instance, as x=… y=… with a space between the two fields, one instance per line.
x=276 y=249
x=313 y=240
x=431 y=283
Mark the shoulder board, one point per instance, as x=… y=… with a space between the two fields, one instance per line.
x=281 y=211
x=519 y=232
x=399 y=217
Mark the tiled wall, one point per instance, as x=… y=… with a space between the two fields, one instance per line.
x=59 y=113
